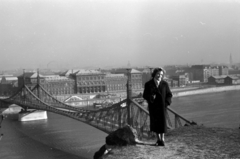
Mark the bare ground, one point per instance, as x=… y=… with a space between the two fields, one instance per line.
x=193 y=142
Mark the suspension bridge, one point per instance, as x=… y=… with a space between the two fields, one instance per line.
x=127 y=111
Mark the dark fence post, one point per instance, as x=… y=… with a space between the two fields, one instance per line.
x=129 y=97
x=119 y=118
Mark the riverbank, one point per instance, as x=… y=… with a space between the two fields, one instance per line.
x=194 y=91
x=187 y=143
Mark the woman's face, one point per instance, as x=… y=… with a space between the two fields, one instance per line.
x=158 y=76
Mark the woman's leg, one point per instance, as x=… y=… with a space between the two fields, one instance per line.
x=158 y=137
x=162 y=143
x=162 y=136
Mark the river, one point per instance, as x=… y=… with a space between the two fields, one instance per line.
x=61 y=137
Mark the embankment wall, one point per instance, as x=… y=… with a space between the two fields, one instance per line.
x=206 y=90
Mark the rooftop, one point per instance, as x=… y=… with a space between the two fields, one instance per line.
x=83 y=72
x=219 y=77
x=115 y=75
x=53 y=78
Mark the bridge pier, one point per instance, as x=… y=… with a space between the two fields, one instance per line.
x=32 y=115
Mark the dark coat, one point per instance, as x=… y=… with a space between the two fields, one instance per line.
x=158 y=99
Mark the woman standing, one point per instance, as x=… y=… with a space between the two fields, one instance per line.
x=158 y=95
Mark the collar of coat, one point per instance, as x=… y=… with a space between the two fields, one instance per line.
x=153 y=82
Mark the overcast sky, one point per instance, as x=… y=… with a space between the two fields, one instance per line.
x=102 y=33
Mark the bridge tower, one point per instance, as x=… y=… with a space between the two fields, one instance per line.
x=24 y=89
x=129 y=97
x=31 y=114
x=38 y=84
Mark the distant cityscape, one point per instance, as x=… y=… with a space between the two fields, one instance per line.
x=89 y=82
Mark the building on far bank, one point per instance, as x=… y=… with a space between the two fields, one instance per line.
x=214 y=71
x=136 y=77
x=89 y=81
x=217 y=80
x=203 y=72
x=115 y=82
x=54 y=84
x=181 y=78
x=224 y=80
x=58 y=85
x=232 y=80
x=8 y=85
x=223 y=70
x=200 y=72
x=171 y=82
x=146 y=75
x=30 y=79
x=234 y=71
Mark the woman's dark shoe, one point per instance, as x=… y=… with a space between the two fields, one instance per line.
x=161 y=143
x=157 y=143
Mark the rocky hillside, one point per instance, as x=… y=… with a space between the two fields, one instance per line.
x=186 y=143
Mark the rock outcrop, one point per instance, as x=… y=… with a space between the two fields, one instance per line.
x=121 y=137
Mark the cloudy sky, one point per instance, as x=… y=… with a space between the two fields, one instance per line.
x=103 y=33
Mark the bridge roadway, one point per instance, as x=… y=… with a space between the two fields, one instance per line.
x=106 y=119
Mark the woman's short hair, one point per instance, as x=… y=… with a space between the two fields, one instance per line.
x=156 y=70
